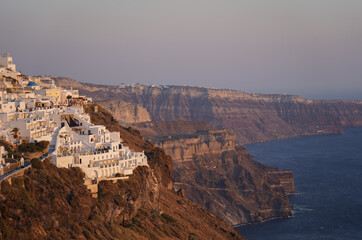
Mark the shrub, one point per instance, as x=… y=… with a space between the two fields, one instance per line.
x=10 y=153
x=168 y=218
x=36 y=163
x=33 y=147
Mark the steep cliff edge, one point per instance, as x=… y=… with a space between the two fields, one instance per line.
x=253 y=117
x=52 y=203
x=221 y=176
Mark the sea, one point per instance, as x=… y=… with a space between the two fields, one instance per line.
x=328 y=175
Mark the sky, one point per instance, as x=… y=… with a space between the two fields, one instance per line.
x=312 y=48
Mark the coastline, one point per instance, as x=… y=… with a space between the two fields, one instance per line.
x=326 y=170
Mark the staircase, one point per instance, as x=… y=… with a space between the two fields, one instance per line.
x=53 y=142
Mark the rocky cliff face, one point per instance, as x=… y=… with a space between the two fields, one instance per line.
x=184 y=147
x=128 y=112
x=232 y=186
x=253 y=117
x=221 y=176
x=52 y=203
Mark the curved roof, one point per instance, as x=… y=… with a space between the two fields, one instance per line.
x=32 y=84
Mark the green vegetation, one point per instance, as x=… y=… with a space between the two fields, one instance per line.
x=168 y=218
x=33 y=147
x=7 y=145
x=15 y=133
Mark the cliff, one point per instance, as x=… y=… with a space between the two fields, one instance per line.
x=184 y=147
x=128 y=113
x=53 y=203
x=232 y=186
x=253 y=117
x=221 y=176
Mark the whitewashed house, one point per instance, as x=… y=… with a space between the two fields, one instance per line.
x=98 y=152
x=6 y=61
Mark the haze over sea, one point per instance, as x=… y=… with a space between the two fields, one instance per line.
x=328 y=175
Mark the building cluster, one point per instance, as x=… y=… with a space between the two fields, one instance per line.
x=99 y=152
x=35 y=109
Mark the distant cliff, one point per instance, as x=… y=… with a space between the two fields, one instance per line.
x=219 y=175
x=253 y=117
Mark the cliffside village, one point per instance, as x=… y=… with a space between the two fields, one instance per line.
x=34 y=109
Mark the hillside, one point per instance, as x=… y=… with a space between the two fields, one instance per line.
x=52 y=203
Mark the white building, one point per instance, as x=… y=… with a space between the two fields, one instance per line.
x=6 y=61
x=60 y=95
x=98 y=152
x=8 y=73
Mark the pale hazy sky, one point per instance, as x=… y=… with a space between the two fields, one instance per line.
x=312 y=48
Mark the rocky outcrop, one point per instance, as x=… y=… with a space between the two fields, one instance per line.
x=253 y=117
x=216 y=173
x=128 y=113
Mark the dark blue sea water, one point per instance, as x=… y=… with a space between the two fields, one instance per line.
x=328 y=174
